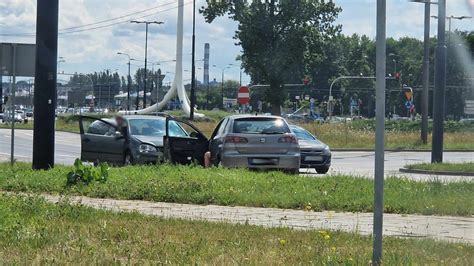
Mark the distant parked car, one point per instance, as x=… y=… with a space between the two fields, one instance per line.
x=314 y=153
x=252 y=141
x=141 y=139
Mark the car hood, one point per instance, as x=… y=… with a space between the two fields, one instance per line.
x=314 y=145
x=157 y=141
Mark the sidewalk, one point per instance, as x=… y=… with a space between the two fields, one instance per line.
x=447 y=228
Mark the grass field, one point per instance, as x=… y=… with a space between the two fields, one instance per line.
x=188 y=184
x=35 y=232
x=466 y=167
x=356 y=135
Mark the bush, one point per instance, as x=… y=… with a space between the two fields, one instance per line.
x=85 y=174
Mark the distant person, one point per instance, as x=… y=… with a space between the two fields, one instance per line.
x=259 y=106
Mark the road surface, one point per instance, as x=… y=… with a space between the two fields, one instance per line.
x=354 y=163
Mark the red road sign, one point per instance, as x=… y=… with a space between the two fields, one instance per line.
x=243 y=95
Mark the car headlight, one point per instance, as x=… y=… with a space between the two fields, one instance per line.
x=146 y=148
x=326 y=151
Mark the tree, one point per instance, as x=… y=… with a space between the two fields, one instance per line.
x=275 y=35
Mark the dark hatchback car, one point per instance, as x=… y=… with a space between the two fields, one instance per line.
x=314 y=153
x=140 y=140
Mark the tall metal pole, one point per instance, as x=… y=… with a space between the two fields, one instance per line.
x=426 y=76
x=379 y=132
x=128 y=86
x=45 y=83
x=1 y=93
x=146 y=55
x=440 y=84
x=12 y=107
x=193 y=67
x=222 y=90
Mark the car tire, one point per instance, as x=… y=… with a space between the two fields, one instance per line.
x=295 y=171
x=128 y=159
x=322 y=169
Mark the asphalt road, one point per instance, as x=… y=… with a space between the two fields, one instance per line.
x=353 y=163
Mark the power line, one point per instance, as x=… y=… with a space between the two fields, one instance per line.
x=69 y=31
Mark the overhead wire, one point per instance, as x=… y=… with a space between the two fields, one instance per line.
x=69 y=31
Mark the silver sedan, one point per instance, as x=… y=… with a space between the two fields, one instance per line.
x=252 y=141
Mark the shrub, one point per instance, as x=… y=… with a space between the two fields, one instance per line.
x=85 y=174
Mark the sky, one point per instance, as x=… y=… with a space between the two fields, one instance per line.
x=95 y=50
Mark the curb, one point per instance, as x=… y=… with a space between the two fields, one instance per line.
x=426 y=172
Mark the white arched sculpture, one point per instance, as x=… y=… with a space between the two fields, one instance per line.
x=177 y=87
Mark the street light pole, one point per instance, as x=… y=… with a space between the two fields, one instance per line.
x=440 y=84
x=128 y=80
x=222 y=82
x=426 y=76
x=146 y=55
x=379 y=131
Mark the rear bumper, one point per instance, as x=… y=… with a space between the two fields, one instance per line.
x=326 y=161
x=261 y=161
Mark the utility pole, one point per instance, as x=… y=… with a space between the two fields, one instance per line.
x=426 y=76
x=1 y=93
x=45 y=83
x=193 y=67
x=440 y=85
x=146 y=55
x=129 y=79
x=379 y=131
x=222 y=83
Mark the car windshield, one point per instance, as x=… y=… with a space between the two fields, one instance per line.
x=260 y=126
x=303 y=134
x=155 y=128
x=147 y=127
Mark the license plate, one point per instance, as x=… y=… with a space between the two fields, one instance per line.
x=314 y=158
x=264 y=161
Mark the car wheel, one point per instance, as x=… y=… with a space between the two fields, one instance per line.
x=128 y=159
x=322 y=169
x=295 y=171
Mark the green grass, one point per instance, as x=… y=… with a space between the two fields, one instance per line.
x=187 y=184
x=465 y=167
x=33 y=231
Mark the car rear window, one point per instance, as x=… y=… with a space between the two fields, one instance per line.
x=260 y=126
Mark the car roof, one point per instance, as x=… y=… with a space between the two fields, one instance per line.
x=143 y=117
x=243 y=116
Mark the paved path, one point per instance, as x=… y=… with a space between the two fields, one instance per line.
x=68 y=148
x=447 y=228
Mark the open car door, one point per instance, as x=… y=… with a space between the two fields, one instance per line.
x=101 y=141
x=184 y=143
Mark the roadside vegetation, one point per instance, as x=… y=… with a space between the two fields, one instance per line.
x=465 y=167
x=240 y=187
x=33 y=231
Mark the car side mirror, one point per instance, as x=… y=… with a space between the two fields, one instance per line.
x=118 y=135
x=194 y=135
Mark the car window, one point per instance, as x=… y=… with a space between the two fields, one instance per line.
x=302 y=134
x=100 y=128
x=175 y=130
x=147 y=127
x=260 y=126
x=218 y=128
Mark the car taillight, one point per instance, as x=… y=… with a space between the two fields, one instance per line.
x=288 y=139
x=235 y=139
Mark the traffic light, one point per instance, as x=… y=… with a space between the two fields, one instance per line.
x=408 y=93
